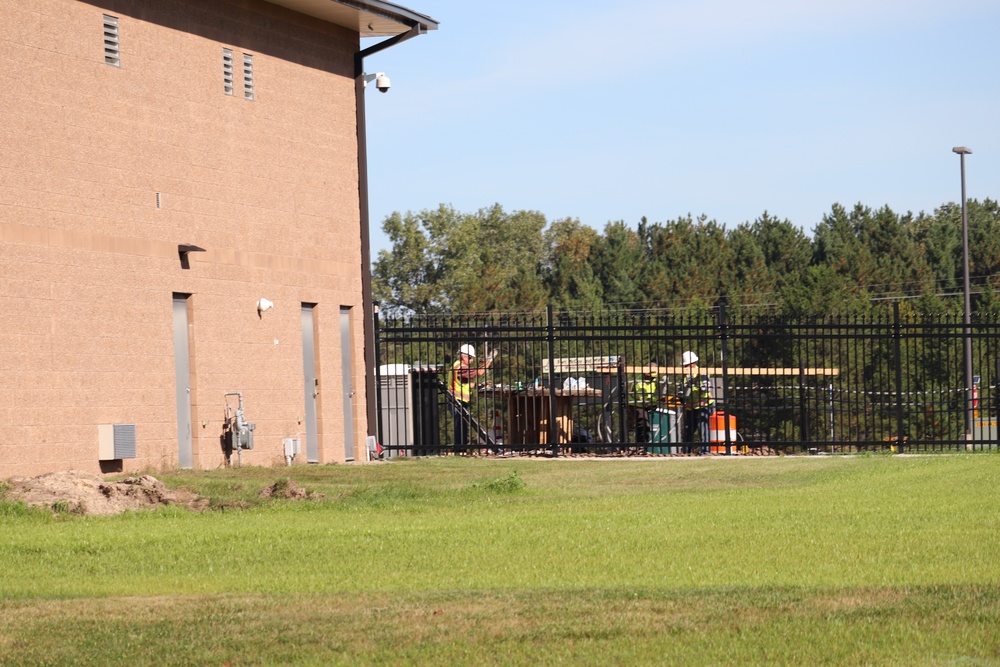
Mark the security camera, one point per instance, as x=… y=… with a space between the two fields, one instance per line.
x=380 y=79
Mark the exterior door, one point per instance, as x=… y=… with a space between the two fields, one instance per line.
x=311 y=385
x=347 y=380
x=182 y=375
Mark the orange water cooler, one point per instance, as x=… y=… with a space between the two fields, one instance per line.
x=717 y=431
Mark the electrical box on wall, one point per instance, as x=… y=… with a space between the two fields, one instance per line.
x=293 y=447
x=115 y=441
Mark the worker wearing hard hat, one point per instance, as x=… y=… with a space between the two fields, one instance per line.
x=698 y=403
x=642 y=397
x=463 y=378
x=643 y=391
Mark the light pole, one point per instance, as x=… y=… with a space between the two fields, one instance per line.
x=967 y=316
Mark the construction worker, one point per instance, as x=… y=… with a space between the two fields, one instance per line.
x=463 y=376
x=642 y=398
x=699 y=403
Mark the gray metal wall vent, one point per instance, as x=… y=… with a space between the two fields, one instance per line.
x=248 y=76
x=112 y=54
x=227 y=71
x=116 y=441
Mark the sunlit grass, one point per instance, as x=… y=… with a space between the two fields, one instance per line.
x=887 y=560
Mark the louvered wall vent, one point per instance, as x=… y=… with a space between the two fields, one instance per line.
x=248 y=76
x=115 y=441
x=227 y=71
x=112 y=56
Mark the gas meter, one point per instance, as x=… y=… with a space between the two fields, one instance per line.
x=238 y=432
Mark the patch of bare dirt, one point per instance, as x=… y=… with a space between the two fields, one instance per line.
x=287 y=489
x=86 y=493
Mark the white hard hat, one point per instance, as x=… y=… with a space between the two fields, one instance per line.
x=468 y=349
x=689 y=358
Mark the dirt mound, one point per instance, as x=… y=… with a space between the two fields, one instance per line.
x=288 y=489
x=86 y=493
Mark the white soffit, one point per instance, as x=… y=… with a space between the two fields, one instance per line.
x=369 y=18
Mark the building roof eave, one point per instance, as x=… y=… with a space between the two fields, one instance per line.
x=369 y=18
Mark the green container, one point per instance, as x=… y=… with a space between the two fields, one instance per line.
x=662 y=431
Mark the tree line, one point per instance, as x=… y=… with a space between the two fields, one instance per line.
x=444 y=260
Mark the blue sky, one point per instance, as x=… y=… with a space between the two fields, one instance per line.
x=620 y=109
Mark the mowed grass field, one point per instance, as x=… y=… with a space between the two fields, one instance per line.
x=870 y=560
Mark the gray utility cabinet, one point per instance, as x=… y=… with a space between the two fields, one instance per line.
x=411 y=424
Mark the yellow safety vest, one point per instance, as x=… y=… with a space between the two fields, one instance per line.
x=461 y=388
x=643 y=393
x=697 y=393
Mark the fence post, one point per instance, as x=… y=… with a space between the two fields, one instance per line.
x=622 y=403
x=378 y=373
x=803 y=407
x=990 y=407
x=553 y=420
x=723 y=342
x=897 y=336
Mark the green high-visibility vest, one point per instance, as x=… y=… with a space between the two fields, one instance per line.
x=643 y=393
x=698 y=393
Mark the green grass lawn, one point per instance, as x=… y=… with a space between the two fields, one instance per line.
x=798 y=560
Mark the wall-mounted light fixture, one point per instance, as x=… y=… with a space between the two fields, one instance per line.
x=263 y=305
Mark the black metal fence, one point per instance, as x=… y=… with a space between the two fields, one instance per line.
x=566 y=381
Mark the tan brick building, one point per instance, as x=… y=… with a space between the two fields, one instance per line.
x=164 y=166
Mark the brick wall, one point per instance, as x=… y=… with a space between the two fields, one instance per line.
x=89 y=261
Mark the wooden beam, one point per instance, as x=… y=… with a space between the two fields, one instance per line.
x=584 y=365
x=717 y=370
